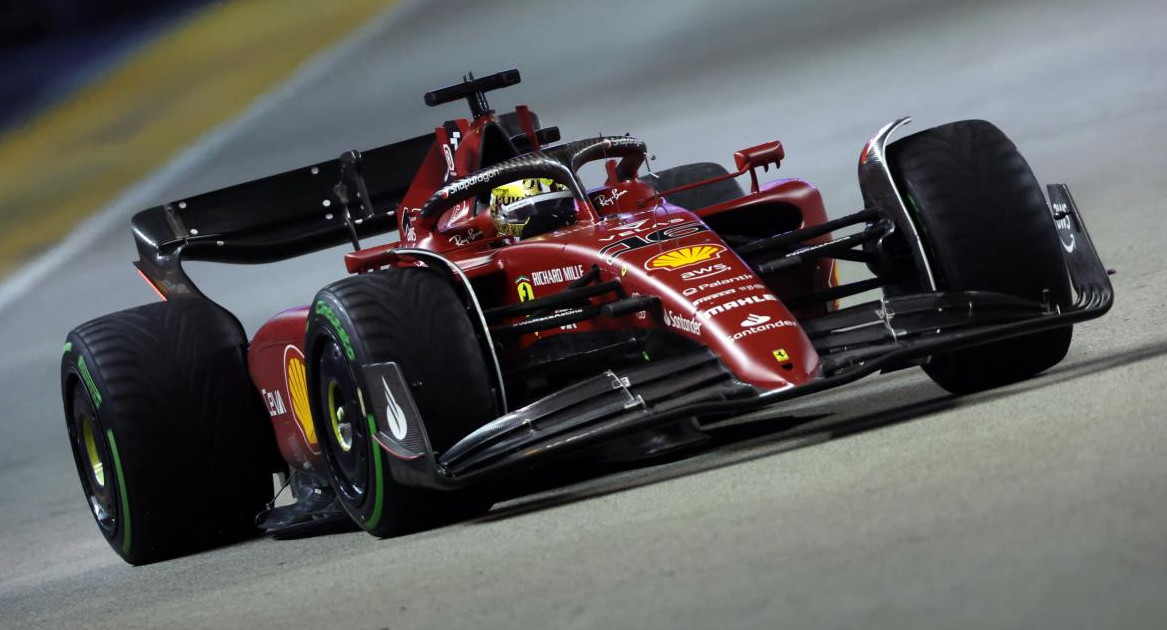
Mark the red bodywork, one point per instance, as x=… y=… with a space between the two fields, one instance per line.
x=627 y=230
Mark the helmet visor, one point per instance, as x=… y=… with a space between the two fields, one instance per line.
x=535 y=215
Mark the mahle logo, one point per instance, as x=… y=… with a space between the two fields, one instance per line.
x=749 y=300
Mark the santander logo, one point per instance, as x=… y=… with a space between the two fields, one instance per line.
x=754 y=320
x=680 y=322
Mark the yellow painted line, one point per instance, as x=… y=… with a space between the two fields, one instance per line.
x=75 y=158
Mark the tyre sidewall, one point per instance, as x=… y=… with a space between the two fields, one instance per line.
x=73 y=357
x=329 y=322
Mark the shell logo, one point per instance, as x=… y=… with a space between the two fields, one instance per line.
x=298 y=391
x=684 y=256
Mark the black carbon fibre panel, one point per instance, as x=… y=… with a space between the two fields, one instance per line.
x=399 y=426
x=624 y=398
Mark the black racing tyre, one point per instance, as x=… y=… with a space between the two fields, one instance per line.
x=985 y=224
x=702 y=196
x=172 y=444
x=413 y=317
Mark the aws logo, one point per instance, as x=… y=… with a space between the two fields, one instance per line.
x=684 y=257
x=706 y=271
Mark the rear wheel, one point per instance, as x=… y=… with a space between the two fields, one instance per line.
x=702 y=196
x=410 y=316
x=985 y=224
x=172 y=446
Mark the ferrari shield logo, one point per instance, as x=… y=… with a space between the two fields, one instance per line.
x=526 y=290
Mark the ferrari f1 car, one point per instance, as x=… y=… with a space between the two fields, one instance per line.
x=519 y=317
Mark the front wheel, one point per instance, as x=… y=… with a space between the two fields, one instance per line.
x=986 y=227
x=410 y=316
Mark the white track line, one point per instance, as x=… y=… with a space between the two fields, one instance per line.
x=147 y=190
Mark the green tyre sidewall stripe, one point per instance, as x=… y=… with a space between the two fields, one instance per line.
x=324 y=310
x=379 y=482
x=125 y=525
x=340 y=335
x=84 y=369
x=122 y=495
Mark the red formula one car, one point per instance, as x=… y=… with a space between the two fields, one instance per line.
x=525 y=318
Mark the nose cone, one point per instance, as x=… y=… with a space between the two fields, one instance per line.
x=728 y=309
x=709 y=294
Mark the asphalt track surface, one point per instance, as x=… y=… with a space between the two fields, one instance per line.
x=890 y=504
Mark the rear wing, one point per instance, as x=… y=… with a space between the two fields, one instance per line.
x=277 y=217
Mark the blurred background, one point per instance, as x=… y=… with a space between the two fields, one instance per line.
x=95 y=95
x=50 y=48
x=22 y=21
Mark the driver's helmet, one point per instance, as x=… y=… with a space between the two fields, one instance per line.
x=529 y=207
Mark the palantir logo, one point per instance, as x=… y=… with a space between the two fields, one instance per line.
x=394 y=414
x=754 y=320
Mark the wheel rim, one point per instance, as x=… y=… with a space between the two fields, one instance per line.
x=91 y=452
x=96 y=467
x=347 y=439
x=342 y=428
